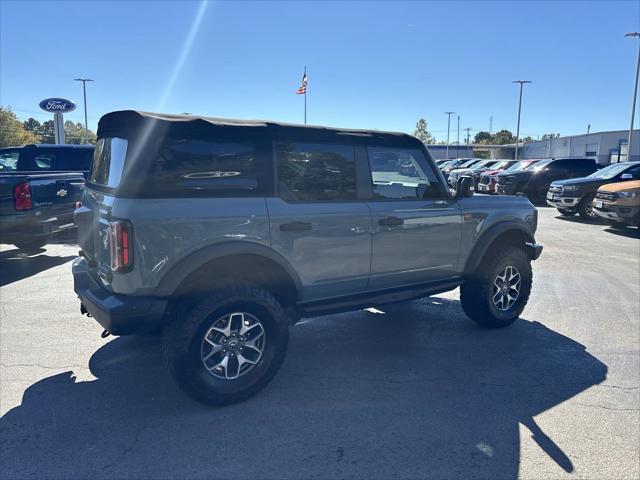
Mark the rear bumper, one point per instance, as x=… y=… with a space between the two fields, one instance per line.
x=30 y=226
x=118 y=314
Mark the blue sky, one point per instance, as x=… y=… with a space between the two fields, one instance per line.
x=371 y=65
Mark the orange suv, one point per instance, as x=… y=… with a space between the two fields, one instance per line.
x=619 y=203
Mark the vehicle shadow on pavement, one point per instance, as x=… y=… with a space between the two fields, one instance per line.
x=624 y=232
x=15 y=265
x=415 y=390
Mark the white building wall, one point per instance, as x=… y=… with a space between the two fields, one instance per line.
x=595 y=145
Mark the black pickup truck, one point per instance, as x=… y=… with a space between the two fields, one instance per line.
x=39 y=186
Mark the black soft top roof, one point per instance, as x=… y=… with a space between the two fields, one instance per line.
x=129 y=123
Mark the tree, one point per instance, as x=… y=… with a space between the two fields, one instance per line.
x=503 y=137
x=34 y=126
x=48 y=132
x=550 y=136
x=74 y=133
x=421 y=132
x=12 y=131
x=482 y=138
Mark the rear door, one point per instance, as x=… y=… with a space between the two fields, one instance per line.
x=317 y=221
x=417 y=225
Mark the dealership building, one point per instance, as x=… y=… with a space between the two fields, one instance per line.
x=604 y=147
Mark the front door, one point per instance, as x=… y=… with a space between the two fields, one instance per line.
x=416 y=224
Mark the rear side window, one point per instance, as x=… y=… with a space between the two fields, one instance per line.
x=108 y=162
x=206 y=168
x=399 y=173
x=310 y=172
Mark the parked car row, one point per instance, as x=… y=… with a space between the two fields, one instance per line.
x=572 y=185
x=39 y=186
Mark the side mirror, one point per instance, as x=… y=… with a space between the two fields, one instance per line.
x=626 y=176
x=464 y=188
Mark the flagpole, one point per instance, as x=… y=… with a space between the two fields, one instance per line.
x=305 y=98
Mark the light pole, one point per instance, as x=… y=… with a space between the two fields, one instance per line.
x=635 y=94
x=84 y=93
x=448 y=128
x=458 y=141
x=521 y=82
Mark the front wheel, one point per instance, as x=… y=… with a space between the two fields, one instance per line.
x=585 y=208
x=31 y=246
x=225 y=348
x=566 y=212
x=617 y=224
x=497 y=293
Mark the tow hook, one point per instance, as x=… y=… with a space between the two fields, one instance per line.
x=105 y=333
x=84 y=311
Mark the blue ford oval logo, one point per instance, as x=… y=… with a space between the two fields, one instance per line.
x=57 y=105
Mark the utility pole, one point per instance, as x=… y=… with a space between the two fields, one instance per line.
x=468 y=130
x=490 y=125
x=635 y=94
x=521 y=82
x=448 y=114
x=458 y=141
x=84 y=93
x=588 y=128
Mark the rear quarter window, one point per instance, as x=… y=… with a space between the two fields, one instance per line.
x=205 y=168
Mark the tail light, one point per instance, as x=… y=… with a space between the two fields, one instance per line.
x=120 y=241
x=22 y=197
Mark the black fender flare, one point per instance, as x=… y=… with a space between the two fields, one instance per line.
x=489 y=236
x=185 y=267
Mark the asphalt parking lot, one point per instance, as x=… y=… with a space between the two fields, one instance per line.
x=414 y=391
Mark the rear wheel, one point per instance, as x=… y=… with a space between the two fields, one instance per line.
x=497 y=293
x=585 y=208
x=567 y=212
x=225 y=348
x=31 y=246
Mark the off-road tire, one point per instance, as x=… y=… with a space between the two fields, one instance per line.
x=586 y=206
x=476 y=293
x=567 y=212
x=183 y=334
x=31 y=246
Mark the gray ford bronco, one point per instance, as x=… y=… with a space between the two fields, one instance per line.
x=223 y=233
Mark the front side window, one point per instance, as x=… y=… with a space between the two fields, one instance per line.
x=108 y=162
x=191 y=166
x=399 y=173
x=316 y=172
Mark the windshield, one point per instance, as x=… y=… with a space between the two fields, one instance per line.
x=539 y=165
x=520 y=166
x=483 y=164
x=499 y=165
x=609 y=172
x=468 y=163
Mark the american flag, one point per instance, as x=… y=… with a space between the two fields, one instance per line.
x=303 y=86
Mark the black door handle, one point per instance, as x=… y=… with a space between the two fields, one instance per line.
x=295 y=226
x=390 y=222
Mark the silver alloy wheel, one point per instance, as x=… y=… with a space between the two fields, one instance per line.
x=506 y=288
x=233 y=345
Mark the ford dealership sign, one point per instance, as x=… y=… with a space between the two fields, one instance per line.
x=57 y=105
